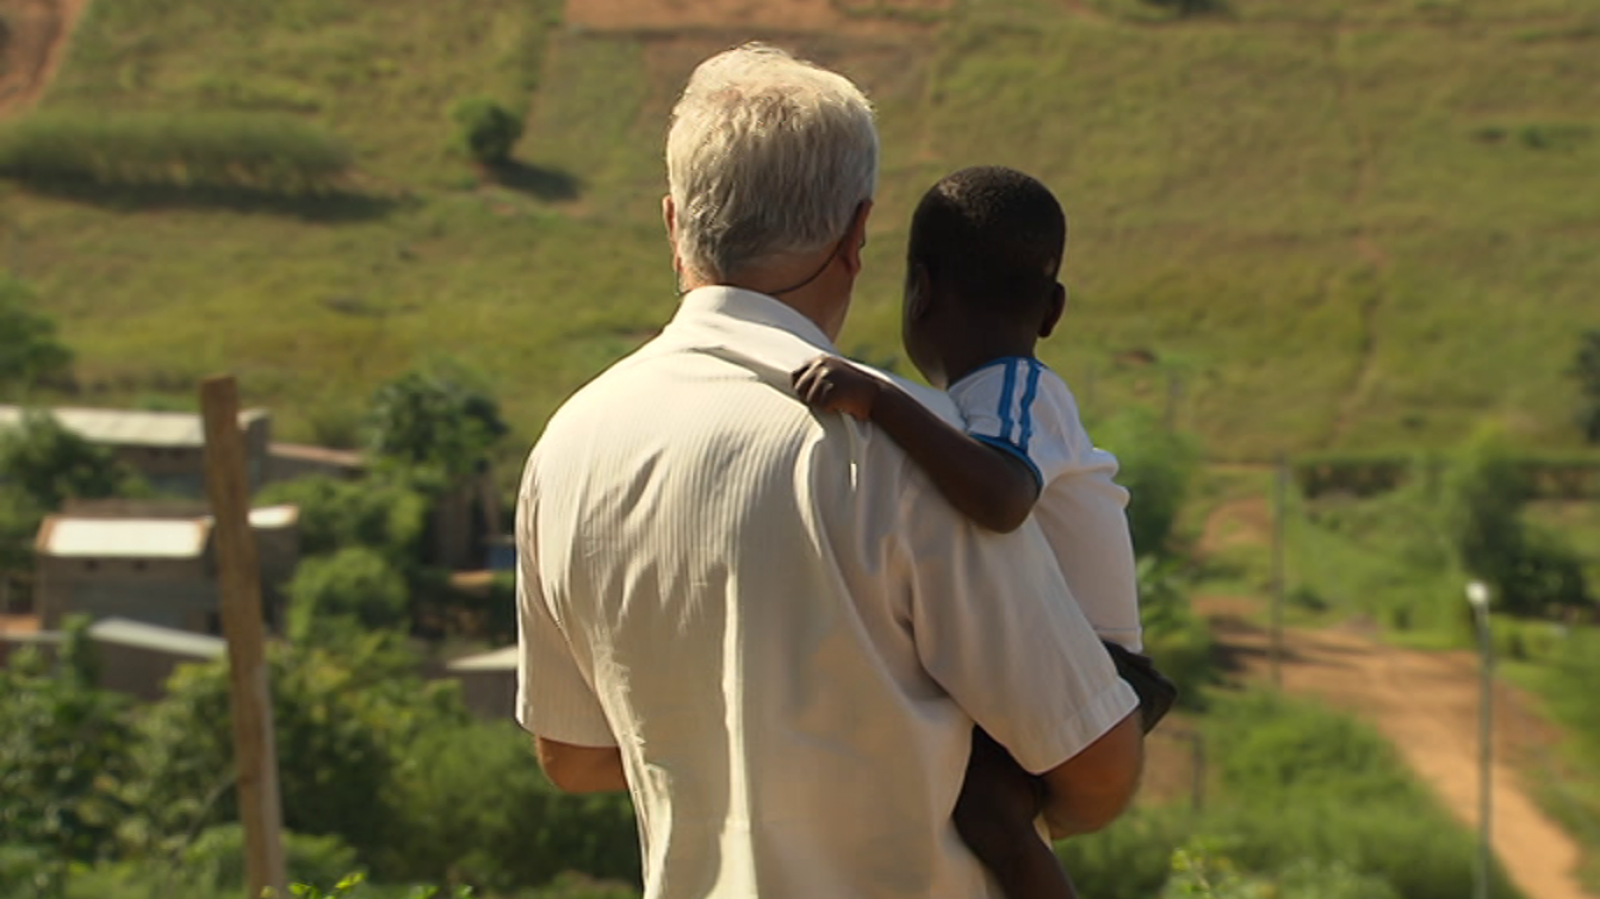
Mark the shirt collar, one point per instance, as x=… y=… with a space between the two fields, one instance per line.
x=747 y=306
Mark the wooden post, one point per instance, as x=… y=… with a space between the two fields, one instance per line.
x=239 y=590
x=1279 y=510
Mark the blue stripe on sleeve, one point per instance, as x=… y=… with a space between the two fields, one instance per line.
x=1028 y=397
x=1007 y=390
x=1011 y=449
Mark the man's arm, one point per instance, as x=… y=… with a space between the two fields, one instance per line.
x=553 y=696
x=1089 y=790
x=581 y=769
x=987 y=484
x=997 y=627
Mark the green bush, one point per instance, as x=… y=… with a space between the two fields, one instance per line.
x=486 y=129
x=474 y=808
x=1586 y=371
x=349 y=592
x=1157 y=467
x=1177 y=639
x=257 y=152
x=1533 y=571
x=1300 y=782
x=215 y=860
x=386 y=515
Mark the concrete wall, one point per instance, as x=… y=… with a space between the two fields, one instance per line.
x=489 y=694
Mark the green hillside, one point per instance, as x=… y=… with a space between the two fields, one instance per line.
x=1307 y=223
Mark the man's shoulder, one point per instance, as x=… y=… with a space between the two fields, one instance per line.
x=935 y=400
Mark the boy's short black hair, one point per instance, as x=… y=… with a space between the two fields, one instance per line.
x=992 y=235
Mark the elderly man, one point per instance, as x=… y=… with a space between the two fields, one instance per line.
x=764 y=622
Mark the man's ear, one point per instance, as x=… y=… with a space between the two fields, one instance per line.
x=1052 y=314
x=856 y=238
x=669 y=217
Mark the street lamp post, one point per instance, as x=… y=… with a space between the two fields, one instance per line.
x=1478 y=597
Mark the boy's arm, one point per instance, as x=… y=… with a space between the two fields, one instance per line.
x=988 y=485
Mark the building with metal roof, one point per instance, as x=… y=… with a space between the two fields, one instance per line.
x=488 y=681
x=131 y=656
x=166 y=448
x=129 y=560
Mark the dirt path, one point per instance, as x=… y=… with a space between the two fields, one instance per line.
x=33 y=36
x=1438 y=738
x=756 y=17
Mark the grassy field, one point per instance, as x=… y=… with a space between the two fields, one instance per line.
x=1328 y=224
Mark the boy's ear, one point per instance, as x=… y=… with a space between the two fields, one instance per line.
x=1057 y=304
x=919 y=292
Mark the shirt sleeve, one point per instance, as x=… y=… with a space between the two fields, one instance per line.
x=554 y=698
x=995 y=625
x=1083 y=512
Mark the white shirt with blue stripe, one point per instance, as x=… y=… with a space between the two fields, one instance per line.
x=1019 y=405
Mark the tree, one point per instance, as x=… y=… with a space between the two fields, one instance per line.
x=437 y=419
x=63 y=755
x=381 y=512
x=487 y=130
x=351 y=591
x=29 y=349
x=1532 y=570
x=42 y=464
x=340 y=717
x=1586 y=370
x=51 y=463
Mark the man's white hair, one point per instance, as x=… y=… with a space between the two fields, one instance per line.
x=768 y=156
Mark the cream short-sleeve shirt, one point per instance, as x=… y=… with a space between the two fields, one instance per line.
x=785 y=629
x=1019 y=405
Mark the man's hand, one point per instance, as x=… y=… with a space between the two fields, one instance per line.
x=834 y=385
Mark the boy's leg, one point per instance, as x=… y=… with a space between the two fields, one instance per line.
x=995 y=814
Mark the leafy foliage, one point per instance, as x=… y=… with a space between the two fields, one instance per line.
x=478 y=811
x=215 y=860
x=1178 y=640
x=29 y=348
x=1533 y=571
x=51 y=463
x=1586 y=370
x=352 y=591
x=1186 y=8
x=42 y=464
x=253 y=151
x=384 y=514
x=487 y=129
x=63 y=756
x=1157 y=467
x=436 y=418
x=341 y=719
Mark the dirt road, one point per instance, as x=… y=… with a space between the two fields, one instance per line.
x=1426 y=703
x=33 y=35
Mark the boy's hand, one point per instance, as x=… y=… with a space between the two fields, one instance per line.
x=834 y=385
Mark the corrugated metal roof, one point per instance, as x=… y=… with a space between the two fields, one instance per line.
x=504 y=659
x=137 y=538
x=274 y=516
x=131 y=427
x=321 y=454
x=125 y=632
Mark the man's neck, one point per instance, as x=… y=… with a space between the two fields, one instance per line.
x=823 y=301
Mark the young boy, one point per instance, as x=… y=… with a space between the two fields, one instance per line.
x=981 y=289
